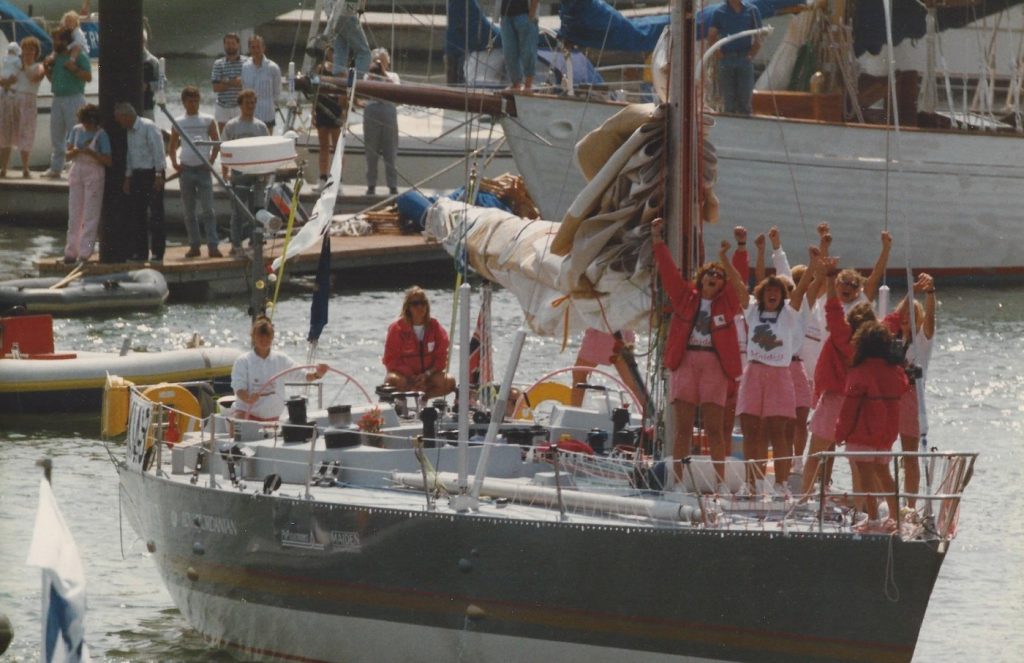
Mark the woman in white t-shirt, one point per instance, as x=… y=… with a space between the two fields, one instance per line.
x=767 y=401
x=918 y=352
x=253 y=370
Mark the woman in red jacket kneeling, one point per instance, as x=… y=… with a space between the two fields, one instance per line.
x=416 y=349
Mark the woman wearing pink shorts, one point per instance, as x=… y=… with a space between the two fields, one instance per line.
x=702 y=351
x=918 y=351
x=830 y=372
x=767 y=399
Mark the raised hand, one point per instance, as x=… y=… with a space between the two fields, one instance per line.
x=658 y=230
x=773 y=235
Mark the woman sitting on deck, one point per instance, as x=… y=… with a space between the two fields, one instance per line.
x=416 y=349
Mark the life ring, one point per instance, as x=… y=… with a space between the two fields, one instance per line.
x=184 y=414
x=540 y=392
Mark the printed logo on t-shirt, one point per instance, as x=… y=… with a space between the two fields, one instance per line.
x=765 y=338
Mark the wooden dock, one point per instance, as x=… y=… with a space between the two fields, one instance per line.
x=379 y=259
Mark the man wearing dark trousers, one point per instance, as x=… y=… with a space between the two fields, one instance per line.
x=144 y=183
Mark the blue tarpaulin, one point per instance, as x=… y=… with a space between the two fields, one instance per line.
x=468 y=28
x=17 y=25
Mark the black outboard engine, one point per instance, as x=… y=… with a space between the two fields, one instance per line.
x=598 y=440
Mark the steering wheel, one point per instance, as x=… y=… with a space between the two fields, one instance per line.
x=336 y=386
x=536 y=402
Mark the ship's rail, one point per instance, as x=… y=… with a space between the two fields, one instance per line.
x=931 y=513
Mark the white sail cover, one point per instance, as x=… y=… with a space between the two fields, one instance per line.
x=603 y=277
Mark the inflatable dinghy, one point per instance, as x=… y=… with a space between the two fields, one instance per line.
x=126 y=291
x=36 y=379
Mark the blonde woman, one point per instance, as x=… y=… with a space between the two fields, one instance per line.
x=416 y=349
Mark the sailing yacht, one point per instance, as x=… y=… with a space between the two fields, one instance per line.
x=311 y=539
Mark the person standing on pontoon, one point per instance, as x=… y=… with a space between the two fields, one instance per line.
x=248 y=188
x=19 y=112
x=194 y=172
x=380 y=127
x=253 y=370
x=144 y=180
x=416 y=349
x=88 y=150
x=736 y=58
x=226 y=78
x=67 y=82
x=263 y=76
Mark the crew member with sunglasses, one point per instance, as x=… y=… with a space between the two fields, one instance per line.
x=416 y=349
x=702 y=351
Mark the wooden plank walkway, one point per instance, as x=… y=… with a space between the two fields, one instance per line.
x=378 y=259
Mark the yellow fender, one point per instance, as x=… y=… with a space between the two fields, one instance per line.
x=545 y=391
x=116 y=398
x=184 y=415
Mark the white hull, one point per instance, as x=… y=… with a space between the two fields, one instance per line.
x=956 y=196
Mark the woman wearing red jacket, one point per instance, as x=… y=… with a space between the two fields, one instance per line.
x=416 y=349
x=830 y=371
x=869 y=419
x=702 y=350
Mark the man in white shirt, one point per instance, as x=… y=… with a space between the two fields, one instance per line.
x=144 y=182
x=194 y=171
x=261 y=74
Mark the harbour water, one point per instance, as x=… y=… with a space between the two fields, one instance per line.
x=975 y=397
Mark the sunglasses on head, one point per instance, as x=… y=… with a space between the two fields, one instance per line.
x=850 y=284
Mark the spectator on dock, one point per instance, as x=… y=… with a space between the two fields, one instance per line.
x=735 y=59
x=263 y=76
x=519 y=36
x=67 y=81
x=248 y=188
x=344 y=28
x=328 y=118
x=88 y=150
x=226 y=78
x=144 y=182
x=194 y=170
x=18 y=107
x=416 y=349
x=380 y=127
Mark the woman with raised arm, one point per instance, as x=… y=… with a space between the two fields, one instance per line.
x=917 y=351
x=767 y=399
x=701 y=352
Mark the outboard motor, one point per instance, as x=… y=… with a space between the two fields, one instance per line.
x=597 y=439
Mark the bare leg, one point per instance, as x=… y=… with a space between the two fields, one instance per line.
x=887 y=485
x=752 y=447
x=5 y=156
x=713 y=416
x=911 y=470
x=864 y=482
x=684 y=413
x=782 y=446
x=800 y=431
x=24 y=163
x=818 y=444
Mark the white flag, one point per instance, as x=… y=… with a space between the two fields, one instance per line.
x=54 y=551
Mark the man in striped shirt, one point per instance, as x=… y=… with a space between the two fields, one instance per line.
x=261 y=74
x=227 y=80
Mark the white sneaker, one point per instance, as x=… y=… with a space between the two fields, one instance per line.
x=782 y=490
x=744 y=491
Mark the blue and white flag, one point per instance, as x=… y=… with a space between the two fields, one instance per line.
x=53 y=550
